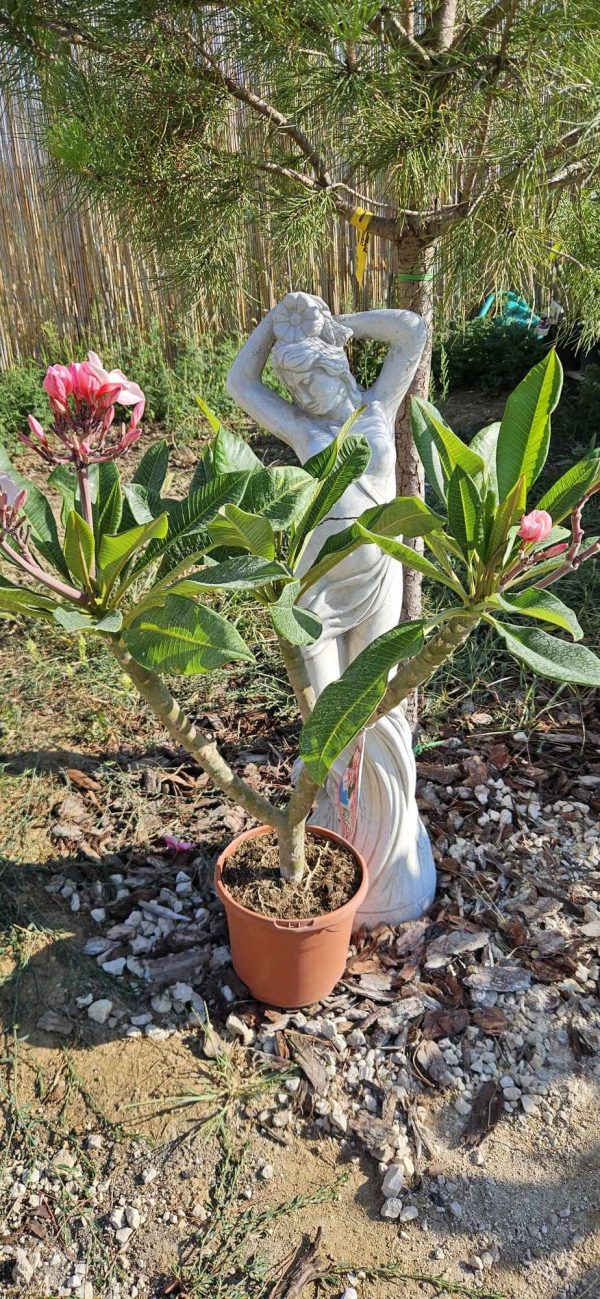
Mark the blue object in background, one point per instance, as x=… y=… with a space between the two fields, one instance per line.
x=512 y=310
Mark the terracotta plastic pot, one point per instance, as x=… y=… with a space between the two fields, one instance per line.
x=289 y=963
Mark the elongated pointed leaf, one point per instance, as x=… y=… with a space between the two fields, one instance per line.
x=152 y=469
x=189 y=520
x=345 y=707
x=323 y=462
x=525 y=428
x=115 y=552
x=280 y=494
x=41 y=518
x=241 y=573
x=79 y=548
x=485 y=444
x=451 y=450
x=296 y=625
x=405 y=516
x=352 y=460
x=236 y=527
x=20 y=599
x=464 y=510
x=541 y=604
x=109 y=504
x=63 y=480
x=181 y=636
x=569 y=490
x=428 y=452
x=549 y=656
x=504 y=518
x=406 y=555
x=137 y=508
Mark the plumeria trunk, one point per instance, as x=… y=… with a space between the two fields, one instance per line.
x=289 y=825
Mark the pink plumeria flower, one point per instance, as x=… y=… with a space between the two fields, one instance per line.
x=177 y=845
x=128 y=393
x=535 y=526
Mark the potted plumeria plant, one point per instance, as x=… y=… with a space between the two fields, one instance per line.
x=140 y=570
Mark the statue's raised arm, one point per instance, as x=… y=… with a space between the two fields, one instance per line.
x=406 y=333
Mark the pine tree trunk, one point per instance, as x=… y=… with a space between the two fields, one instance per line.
x=413 y=258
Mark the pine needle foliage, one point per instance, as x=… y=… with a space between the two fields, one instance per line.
x=475 y=126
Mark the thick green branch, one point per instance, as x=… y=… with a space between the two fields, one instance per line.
x=201 y=746
x=419 y=669
x=296 y=670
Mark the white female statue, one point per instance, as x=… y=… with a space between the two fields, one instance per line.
x=361 y=597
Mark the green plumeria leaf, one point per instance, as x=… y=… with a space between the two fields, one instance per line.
x=115 y=552
x=231 y=454
x=406 y=555
x=569 y=490
x=549 y=656
x=109 y=502
x=504 y=518
x=352 y=460
x=75 y=620
x=541 y=604
x=181 y=636
x=464 y=510
x=280 y=494
x=41 y=518
x=524 y=434
x=241 y=573
x=451 y=450
x=137 y=508
x=79 y=548
x=236 y=527
x=63 y=480
x=152 y=469
x=485 y=444
x=296 y=625
x=189 y=520
x=428 y=452
x=323 y=462
x=20 y=599
x=405 y=516
x=345 y=707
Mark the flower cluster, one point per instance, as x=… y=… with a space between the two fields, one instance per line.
x=12 y=500
x=82 y=399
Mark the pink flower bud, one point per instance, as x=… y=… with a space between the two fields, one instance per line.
x=37 y=430
x=535 y=526
x=136 y=414
x=59 y=386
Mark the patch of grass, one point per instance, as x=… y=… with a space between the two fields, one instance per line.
x=228 y=1083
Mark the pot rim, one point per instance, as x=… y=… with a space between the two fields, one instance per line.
x=310 y=922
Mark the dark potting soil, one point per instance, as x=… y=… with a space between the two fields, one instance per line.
x=252 y=877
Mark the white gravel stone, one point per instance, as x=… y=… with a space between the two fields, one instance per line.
x=23 y=1269
x=124 y=1235
x=115 y=967
x=339 y=1118
x=98 y=915
x=456 y=1209
x=100 y=1010
x=391 y=1208
x=393 y=1181
x=132 y=1217
x=409 y=1213
x=149 y=1174
x=266 y=1172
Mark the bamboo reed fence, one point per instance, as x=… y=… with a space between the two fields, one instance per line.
x=65 y=270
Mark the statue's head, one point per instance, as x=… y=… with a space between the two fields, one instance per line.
x=310 y=359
